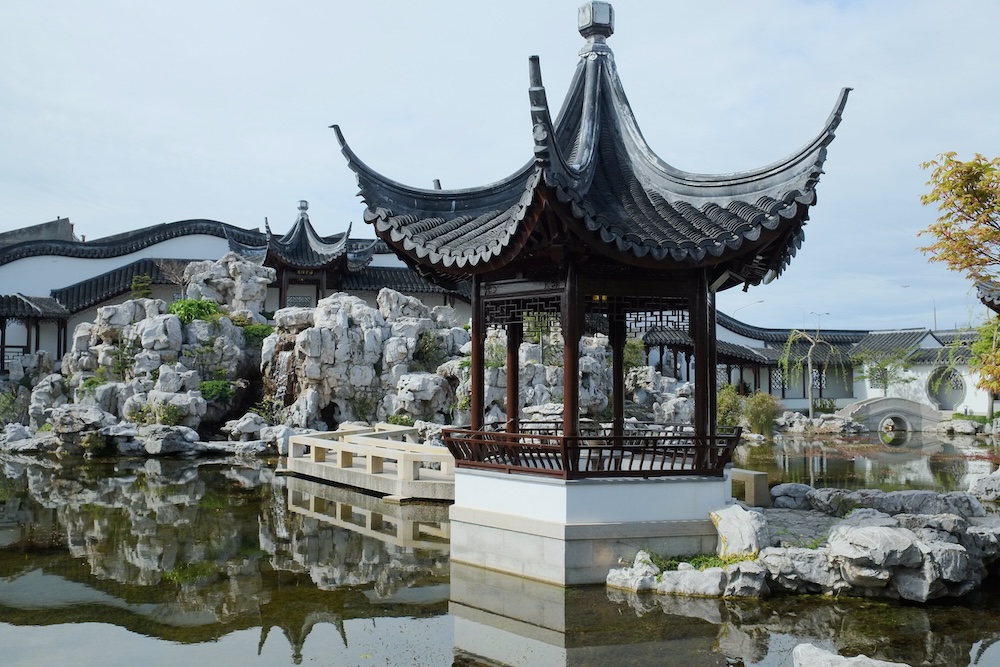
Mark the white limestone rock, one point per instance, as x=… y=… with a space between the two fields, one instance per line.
x=640 y=576
x=48 y=393
x=163 y=332
x=746 y=579
x=741 y=531
x=686 y=580
x=395 y=306
x=293 y=319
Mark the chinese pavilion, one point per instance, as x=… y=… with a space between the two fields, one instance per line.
x=596 y=232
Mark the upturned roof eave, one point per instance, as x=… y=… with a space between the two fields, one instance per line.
x=771 y=201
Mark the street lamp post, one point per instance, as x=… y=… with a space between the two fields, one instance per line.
x=752 y=303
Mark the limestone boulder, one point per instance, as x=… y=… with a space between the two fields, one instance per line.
x=395 y=306
x=641 y=575
x=790 y=495
x=741 y=531
x=48 y=393
x=687 y=580
x=161 y=440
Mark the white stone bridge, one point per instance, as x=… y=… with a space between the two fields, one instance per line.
x=897 y=414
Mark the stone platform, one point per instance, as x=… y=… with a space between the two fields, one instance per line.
x=383 y=459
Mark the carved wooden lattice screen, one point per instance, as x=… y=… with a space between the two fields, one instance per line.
x=639 y=313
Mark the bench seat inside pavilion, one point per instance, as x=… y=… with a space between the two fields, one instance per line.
x=594 y=234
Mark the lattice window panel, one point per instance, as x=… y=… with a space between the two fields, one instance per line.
x=299 y=302
x=538 y=314
x=641 y=314
x=819 y=378
x=778 y=378
x=954 y=380
x=879 y=378
x=721 y=376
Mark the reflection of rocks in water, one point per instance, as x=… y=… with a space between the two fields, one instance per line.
x=932 y=636
x=158 y=523
x=343 y=538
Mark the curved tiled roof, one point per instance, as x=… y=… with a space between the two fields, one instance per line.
x=372 y=279
x=19 y=306
x=302 y=247
x=128 y=242
x=779 y=336
x=989 y=293
x=96 y=290
x=623 y=201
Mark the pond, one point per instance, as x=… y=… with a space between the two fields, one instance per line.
x=222 y=562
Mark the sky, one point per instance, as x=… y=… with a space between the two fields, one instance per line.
x=121 y=114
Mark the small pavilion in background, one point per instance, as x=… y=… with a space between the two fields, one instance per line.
x=595 y=231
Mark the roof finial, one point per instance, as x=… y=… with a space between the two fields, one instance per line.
x=303 y=205
x=596 y=21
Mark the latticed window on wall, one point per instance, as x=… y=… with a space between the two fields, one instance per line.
x=721 y=376
x=819 y=378
x=778 y=380
x=879 y=378
x=299 y=302
x=954 y=380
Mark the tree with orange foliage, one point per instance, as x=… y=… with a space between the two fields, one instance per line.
x=967 y=233
x=967 y=239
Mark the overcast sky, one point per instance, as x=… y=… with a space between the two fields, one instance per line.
x=126 y=114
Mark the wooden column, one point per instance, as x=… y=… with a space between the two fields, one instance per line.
x=572 y=328
x=3 y=343
x=616 y=336
x=478 y=360
x=703 y=335
x=283 y=290
x=515 y=334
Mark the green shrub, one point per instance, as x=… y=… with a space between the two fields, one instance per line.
x=698 y=561
x=824 y=405
x=89 y=385
x=761 y=410
x=169 y=414
x=216 y=390
x=256 y=333
x=729 y=408
x=430 y=353
x=240 y=320
x=142 y=286
x=635 y=354
x=267 y=408
x=189 y=310
x=12 y=409
x=495 y=353
x=400 y=420
x=979 y=419
x=140 y=415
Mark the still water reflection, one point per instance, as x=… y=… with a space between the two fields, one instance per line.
x=131 y=562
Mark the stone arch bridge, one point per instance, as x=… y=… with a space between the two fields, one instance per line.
x=897 y=414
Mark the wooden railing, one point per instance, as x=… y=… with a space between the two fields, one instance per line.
x=645 y=450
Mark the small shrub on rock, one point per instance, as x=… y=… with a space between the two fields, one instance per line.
x=189 y=310
x=216 y=390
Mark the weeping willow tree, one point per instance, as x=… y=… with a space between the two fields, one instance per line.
x=790 y=361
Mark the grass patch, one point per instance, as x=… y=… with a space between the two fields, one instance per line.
x=698 y=561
